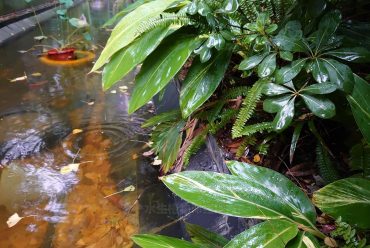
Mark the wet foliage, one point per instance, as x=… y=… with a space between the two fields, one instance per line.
x=282 y=84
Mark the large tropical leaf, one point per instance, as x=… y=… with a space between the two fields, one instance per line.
x=303 y=240
x=327 y=27
x=319 y=106
x=285 y=116
x=236 y=196
x=347 y=198
x=360 y=105
x=202 y=80
x=269 y=234
x=127 y=29
x=320 y=89
x=339 y=74
x=281 y=187
x=319 y=71
x=271 y=89
x=159 y=241
x=160 y=67
x=207 y=239
x=251 y=62
x=289 y=72
x=267 y=66
x=354 y=54
x=274 y=104
x=127 y=58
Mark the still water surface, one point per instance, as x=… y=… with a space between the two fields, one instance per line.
x=56 y=117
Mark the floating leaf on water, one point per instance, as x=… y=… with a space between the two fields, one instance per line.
x=148 y=153
x=76 y=131
x=69 y=168
x=134 y=156
x=129 y=188
x=18 y=79
x=40 y=38
x=13 y=220
x=157 y=161
x=36 y=74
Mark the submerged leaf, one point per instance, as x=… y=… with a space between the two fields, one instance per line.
x=13 y=220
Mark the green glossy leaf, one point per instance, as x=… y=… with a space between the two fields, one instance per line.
x=269 y=234
x=127 y=29
x=206 y=239
x=360 y=105
x=229 y=6
x=160 y=67
x=323 y=88
x=289 y=72
x=289 y=44
x=285 y=116
x=360 y=159
x=319 y=106
x=303 y=240
x=327 y=27
x=251 y=62
x=292 y=29
x=202 y=80
x=204 y=53
x=275 y=104
x=354 y=54
x=237 y=196
x=216 y=41
x=159 y=241
x=295 y=138
x=340 y=74
x=287 y=192
x=319 y=71
x=271 y=89
x=267 y=66
x=128 y=58
x=347 y=198
x=286 y=55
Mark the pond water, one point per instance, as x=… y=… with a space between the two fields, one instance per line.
x=60 y=116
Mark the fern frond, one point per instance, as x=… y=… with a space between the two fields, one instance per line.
x=263 y=148
x=235 y=92
x=249 y=105
x=326 y=167
x=195 y=145
x=163 y=117
x=257 y=128
x=225 y=118
x=164 y=19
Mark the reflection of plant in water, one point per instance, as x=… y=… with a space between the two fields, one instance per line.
x=80 y=36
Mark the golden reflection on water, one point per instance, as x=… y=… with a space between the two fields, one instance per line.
x=71 y=210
